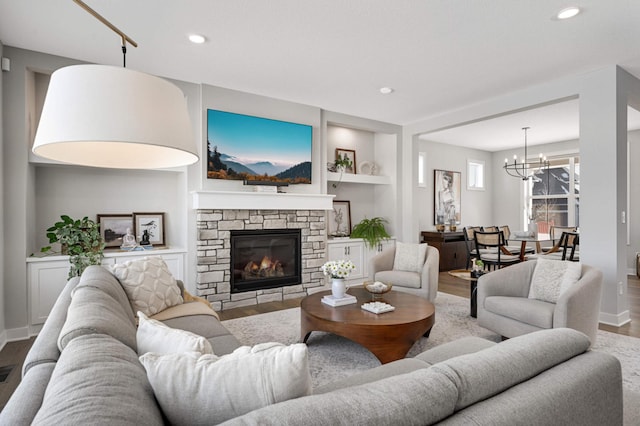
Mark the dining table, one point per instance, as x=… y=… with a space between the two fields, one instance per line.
x=529 y=238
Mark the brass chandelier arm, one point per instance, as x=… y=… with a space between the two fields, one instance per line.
x=125 y=38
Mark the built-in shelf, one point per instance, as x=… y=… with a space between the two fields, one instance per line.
x=358 y=178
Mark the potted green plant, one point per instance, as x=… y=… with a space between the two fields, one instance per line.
x=341 y=164
x=372 y=231
x=80 y=239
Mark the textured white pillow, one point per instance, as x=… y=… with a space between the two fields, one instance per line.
x=409 y=257
x=206 y=389
x=156 y=336
x=149 y=284
x=551 y=278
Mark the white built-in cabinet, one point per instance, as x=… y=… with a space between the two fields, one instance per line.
x=47 y=276
x=354 y=249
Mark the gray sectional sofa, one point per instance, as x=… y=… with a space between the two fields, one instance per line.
x=546 y=377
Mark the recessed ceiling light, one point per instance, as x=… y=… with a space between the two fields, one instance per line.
x=197 y=38
x=568 y=12
x=386 y=90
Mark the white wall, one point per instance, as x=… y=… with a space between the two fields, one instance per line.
x=634 y=202
x=477 y=208
x=3 y=335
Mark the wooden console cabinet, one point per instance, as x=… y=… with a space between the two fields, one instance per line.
x=452 y=248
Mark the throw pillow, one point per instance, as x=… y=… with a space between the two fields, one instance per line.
x=409 y=257
x=205 y=389
x=551 y=278
x=155 y=336
x=149 y=284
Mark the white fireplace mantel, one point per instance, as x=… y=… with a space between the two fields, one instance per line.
x=227 y=200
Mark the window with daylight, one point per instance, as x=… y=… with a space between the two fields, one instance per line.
x=422 y=156
x=553 y=196
x=475 y=175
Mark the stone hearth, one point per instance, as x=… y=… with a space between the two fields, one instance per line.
x=214 y=253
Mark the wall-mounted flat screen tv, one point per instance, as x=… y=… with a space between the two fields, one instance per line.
x=244 y=147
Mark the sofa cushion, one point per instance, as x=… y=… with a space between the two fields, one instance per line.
x=206 y=389
x=154 y=336
x=98 y=379
x=551 y=278
x=101 y=278
x=93 y=311
x=529 y=311
x=149 y=284
x=409 y=257
x=486 y=373
x=401 y=278
x=422 y=397
x=462 y=346
x=208 y=326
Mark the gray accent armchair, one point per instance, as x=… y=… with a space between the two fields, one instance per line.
x=424 y=284
x=504 y=306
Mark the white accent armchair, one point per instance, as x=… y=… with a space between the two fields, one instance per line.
x=505 y=308
x=423 y=284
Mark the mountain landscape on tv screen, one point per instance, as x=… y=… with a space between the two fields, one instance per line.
x=223 y=166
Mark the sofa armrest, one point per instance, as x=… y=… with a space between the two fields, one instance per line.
x=430 y=272
x=382 y=261
x=579 y=306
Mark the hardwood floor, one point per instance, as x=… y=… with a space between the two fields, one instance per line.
x=13 y=354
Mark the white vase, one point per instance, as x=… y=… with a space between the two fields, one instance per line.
x=338 y=287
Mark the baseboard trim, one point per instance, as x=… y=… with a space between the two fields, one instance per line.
x=15 y=334
x=616 y=320
x=3 y=339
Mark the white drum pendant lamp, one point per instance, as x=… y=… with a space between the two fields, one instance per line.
x=106 y=116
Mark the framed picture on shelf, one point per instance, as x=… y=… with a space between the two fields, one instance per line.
x=113 y=227
x=149 y=228
x=447 y=187
x=340 y=219
x=346 y=154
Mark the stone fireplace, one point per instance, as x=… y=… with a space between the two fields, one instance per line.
x=214 y=255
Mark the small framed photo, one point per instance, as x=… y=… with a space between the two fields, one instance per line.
x=340 y=219
x=349 y=154
x=113 y=227
x=149 y=228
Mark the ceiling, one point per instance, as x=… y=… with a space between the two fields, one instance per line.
x=437 y=55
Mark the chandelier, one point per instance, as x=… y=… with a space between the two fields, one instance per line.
x=525 y=169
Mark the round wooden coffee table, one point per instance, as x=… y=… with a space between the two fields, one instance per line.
x=389 y=336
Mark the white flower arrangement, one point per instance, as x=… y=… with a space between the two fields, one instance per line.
x=338 y=268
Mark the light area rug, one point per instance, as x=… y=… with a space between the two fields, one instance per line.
x=332 y=357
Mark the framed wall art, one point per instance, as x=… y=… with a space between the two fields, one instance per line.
x=340 y=219
x=113 y=227
x=149 y=228
x=447 y=192
x=350 y=154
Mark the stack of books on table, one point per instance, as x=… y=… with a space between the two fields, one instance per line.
x=333 y=301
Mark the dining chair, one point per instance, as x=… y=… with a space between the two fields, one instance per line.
x=555 y=234
x=470 y=242
x=492 y=251
x=570 y=243
x=513 y=248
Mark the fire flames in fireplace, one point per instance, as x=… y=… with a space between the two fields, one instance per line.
x=266 y=268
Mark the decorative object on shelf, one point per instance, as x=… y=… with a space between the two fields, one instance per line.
x=525 y=169
x=377 y=288
x=340 y=219
x=440 y=227
x=453 y=227
x=338 y=270
x=368 y=168
x=129 y=241
x=106 y=116
x=113 y=227
x=372 y=231
x=447 y=191
x=345 y=160
x=477 y=268
x=80 y=239
x=149 y=228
